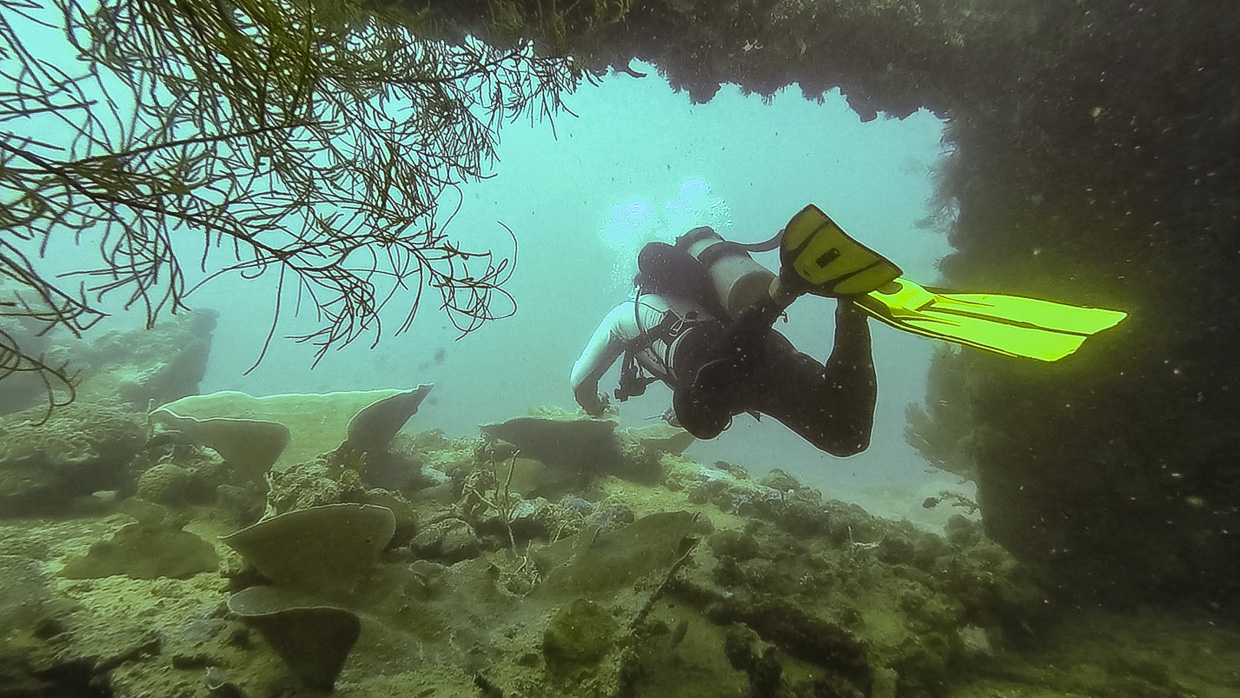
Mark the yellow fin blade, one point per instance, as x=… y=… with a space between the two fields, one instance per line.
x=1007 y=325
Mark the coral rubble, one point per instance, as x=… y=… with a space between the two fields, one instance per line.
x=698 y=578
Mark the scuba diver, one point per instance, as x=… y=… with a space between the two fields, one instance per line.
x=719 y=352
x=702 y=317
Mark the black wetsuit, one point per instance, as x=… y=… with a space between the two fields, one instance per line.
x=726 y=369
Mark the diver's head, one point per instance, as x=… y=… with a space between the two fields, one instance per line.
x=659 y=269
x=663 y=268
x=672 y=272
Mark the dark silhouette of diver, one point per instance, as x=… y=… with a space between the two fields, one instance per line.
x=701 y=322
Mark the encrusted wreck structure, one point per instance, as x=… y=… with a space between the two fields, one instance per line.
x=1094 y=159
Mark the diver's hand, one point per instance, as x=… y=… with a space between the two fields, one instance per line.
x=599 y=408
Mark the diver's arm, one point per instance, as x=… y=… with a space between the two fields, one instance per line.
x=604 y=347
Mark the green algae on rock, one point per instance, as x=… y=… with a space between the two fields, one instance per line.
x=579 y=633
x=24 y=592
x=331 y=478
x=145 y=551
x=170 y=484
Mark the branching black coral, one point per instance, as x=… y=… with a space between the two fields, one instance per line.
x=309 y=140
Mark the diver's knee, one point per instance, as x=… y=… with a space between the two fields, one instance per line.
x=852 y=449
x=844 y=447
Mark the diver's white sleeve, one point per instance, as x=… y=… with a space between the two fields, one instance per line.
x=614 y=333
x=619 y=331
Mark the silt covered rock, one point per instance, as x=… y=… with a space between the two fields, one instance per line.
x=145 y=551
x=45 y=468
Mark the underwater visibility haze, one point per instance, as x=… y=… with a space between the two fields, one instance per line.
x=302 y=305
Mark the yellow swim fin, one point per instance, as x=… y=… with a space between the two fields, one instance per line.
x=816 y=256
x=1007 y=325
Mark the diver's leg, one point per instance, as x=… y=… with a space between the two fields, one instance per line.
x=831 y=405
x=724 y=371
x=850 y=377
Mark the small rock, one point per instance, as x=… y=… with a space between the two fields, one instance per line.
x=975 y=642
x=580 y=632
x=579 y=506
x=612 y=517
x=780 y=480
x=168 y=483
x=451 y=540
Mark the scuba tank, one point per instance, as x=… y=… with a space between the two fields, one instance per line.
x=718 y=274
x=738 y=281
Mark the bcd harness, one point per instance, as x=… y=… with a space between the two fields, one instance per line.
x=633 y=378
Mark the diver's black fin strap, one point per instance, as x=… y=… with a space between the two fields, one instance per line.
x=763 y=246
